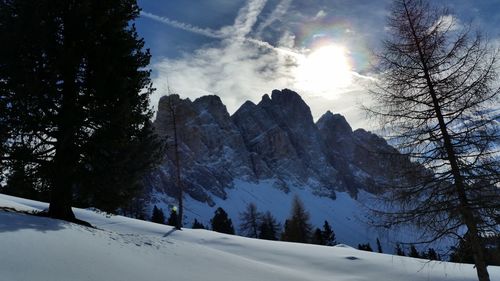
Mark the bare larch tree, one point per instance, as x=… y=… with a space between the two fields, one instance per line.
x=172 y=119
x=250 y=221
x=434 y=96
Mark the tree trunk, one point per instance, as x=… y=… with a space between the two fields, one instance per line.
x=178 y=169
x=464 y=208
x=66 y=157
x=61 y=194
x=63 y=168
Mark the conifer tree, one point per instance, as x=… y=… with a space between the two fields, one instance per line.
x=430 y=255
x=269 y=228
x=136 y=208
x=172 y=219
x=297 y=226
x=317 y=237
x=250 y=221
x=74 y=79
x=400 y=251
x=365 y=247
x=22 y=179
x=328 y=235
x=197 y=225
x=158 y=216
x=221 y=222
x=413 y=252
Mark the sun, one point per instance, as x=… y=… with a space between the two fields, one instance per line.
x=325 y=71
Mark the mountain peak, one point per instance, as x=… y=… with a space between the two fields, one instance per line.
x=265 y=99
x=334 y=122
x=286 y=96
x=213 y=105
x=209 y=100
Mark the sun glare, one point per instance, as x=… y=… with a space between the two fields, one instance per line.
x=324 y=71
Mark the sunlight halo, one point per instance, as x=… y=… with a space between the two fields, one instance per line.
x=325 y=71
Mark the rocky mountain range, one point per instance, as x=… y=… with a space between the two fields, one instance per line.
x=275 y=139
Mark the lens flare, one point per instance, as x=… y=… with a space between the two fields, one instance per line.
x=325 y=70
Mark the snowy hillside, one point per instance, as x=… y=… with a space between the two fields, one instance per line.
x=346 y=215
x=36 y=248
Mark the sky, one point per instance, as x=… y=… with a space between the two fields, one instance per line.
x=243 y=49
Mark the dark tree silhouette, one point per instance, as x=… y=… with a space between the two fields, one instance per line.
x=297 y=226
x=250 y=221
x=430 y=254
x=433 y=97
x=379 y=246
x=74 y=92
x=197 y=225
x=158 y=216
x=400 y=251
x=365 y=247
x=317 y=237
x=172 y=219
x=328 y=235
x=221 y=222
x=413 y=252
x=462 y=252
x=269 y=228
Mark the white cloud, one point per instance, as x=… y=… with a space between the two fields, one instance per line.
x=239 y=68
x=236 y=71
x=287 y=40
x=447 y=22
x=321 y=14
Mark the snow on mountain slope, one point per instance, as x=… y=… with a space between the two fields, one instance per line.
x=36 y=248
x=347 y=216
x=344 y=213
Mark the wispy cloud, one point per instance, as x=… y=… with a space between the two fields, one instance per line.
x=320 y=15
x=247 y=17
x=447 y=22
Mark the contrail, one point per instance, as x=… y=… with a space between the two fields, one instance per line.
x=247 y=17
x=243 y=24
x=276 y=14
x=185 y=26
x=276 y=49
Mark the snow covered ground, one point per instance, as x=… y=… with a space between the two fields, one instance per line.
x=38 y=249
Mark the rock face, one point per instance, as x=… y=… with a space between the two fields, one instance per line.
x=274 y=139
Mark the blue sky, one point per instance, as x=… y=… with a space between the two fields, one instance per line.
x=242 y=49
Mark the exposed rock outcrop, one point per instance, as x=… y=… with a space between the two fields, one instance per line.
x=274 y=139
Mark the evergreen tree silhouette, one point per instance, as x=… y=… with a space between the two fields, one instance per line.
x=221 y=222
x=158 y=216
x=328 y=235
x=172 y=219
x=269 y=228
x=197 y=225
x=297 y=226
